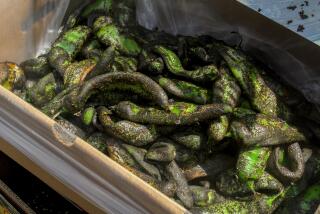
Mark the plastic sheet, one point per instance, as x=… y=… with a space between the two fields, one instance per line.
x=225 y=22
x=29 y=27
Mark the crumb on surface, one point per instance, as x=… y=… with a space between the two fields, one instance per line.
x=293 y=7
x=303 y=15
x=300 y=28
x=289 y=22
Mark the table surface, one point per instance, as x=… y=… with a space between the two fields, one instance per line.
x=300 y=16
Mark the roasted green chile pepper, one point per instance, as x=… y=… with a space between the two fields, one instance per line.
x=98 y=140
x=88 y=115
x=150 y=63
x=218 y=129
x=44 y=91
x=262 y=98
x=138 y=155
x=125 y=64
x=261 y=204
x=11 y=76
x=172 y=61
x=161 y=152
x=263 y=130
x=109 y=35
x=92 y=50
x=135 y=82
x=252 y=163
x=183 y=191
x=229 y=184
x=36 y=68
x=210 y=168
x=179 y=113
x=67 y=46
x=130 y=132
x=226 y=89
x=185 y=90
x=191 y=138
x=77 y=72
x=295 y=162
x=202 y=196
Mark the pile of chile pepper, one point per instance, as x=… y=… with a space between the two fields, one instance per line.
x=198 y=120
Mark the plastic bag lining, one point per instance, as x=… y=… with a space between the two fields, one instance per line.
x=187 y=17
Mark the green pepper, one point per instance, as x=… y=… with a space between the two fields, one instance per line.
x=210 y=168
x=44 y=91
x=161 y=152
x=125 y=64
x=262 y=98
x=132 y=133
x=92 y=50
x=88 y=115
x=306 y=202
x=202 y=196
x=172 y=61
x=294 y=159
x=218 y=129
x=67 y=46
x=179 y=113
x=11 y=76
x=261 y=204
x=191 y=138
x=135 y=82
x=98 y=140
x=138 y=155
x=77 y=72
x=109 y=35
x=226 y=89
x=183 y=190
x=36 y=68
x=252 y=163
x=261 y=130
x=185 y=90
x=229 y=184
x=150 y=63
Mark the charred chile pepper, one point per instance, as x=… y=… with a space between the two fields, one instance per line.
x=172 y=61
x=185 y=90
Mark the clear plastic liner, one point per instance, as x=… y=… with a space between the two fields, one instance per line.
x=217 y=18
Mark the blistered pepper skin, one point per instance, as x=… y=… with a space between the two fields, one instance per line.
x=36 y=68
x=226 y=89
x=172 y=61
x=185 y=90
x=135 y=82
x=44 y=90
x=262 y=98
x=295 y=158
x=179 y=113
x=252 y=163
x=67 y=46
x=132 y=133
x=262 y=130
x=11 y=76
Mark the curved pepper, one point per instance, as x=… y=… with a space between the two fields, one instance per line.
x=67 y=46
x=11 y=76
x=135 y=82
x=185 y=90
x=172 y=61
x=295 y=159
x=262 y=98
x=262 y=130
x=179 y=113
x=132 y=133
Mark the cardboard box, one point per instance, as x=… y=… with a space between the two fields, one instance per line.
x=89 y=178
